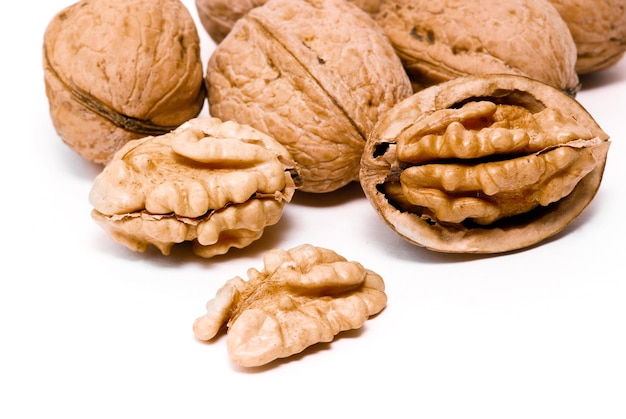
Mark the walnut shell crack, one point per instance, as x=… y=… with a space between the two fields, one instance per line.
x=483 y=164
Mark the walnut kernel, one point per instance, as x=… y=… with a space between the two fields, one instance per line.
x=216 y=184
x=303 y=296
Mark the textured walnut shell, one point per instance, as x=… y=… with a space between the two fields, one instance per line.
x=303 y=296
x=315 y=75
x=117 y=70
x=216 y=184
x=483 y=164
x=599 y=31
x=219 y=16
x=438 y=41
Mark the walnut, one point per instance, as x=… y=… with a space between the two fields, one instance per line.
x=219 y=16
x=483 y=164
x=117 y=70
x=315 y=75
x=216 y=184
x=438 y=41
x=599 y=31
x=303 y=296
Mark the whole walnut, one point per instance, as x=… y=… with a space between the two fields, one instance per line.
x=117 y=70
x=218 y=16
x=313 y=74
x=599 y=31
x=438 y=41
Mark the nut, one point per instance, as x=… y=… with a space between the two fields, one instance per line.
x=303 y=296
x=216 y=184
x=117 y=70
x=483 y=164
x=438 y=41
x=315 y=75
x=599 y=31
x=219 y=16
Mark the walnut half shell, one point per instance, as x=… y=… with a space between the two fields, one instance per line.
x=216 y=184
x=483 y=164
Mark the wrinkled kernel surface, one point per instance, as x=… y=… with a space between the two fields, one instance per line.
x=303 y=296
x=485 y=161
x=217 y=184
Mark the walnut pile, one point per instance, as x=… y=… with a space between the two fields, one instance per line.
x=303 y=296
x=117 y=70
x=216 y=184
x=483 y=164
x=313 y=74
x=442 y=40
x=219 y=16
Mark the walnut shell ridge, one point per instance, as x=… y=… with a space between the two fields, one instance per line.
x=215 y=184
x=116 y=70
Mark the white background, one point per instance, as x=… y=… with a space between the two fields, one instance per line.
x=89 y=329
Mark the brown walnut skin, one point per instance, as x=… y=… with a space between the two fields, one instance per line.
x=219 y=16
x=438 y=41
x=315 y=75
x=381 y=167
x=117 y=70
x=599 y=31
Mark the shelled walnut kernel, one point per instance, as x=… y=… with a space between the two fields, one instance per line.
x=303 y=296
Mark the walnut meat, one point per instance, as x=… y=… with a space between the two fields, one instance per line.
x=599 y=31
x=438 y=41
x=483 y=164
x=219 y=16
x=216 y=184
x=315 y=75
x=303 y=296
x=117 y=70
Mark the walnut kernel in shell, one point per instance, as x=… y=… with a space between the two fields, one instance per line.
x=483 y=164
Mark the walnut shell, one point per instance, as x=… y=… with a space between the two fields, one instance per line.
x=315 y=75
x=117 y=70
x=438 y=41
x=483 y=164
x=219 y=16
x=599 y=31
x=216 y=184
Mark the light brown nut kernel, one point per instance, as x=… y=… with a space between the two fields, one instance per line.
x=117 y=70
x=219 y=16
x=303 y=296
x=216 y=184
x=313 y=74
x=438 y=41
x=483 y=164
x=599 y=31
